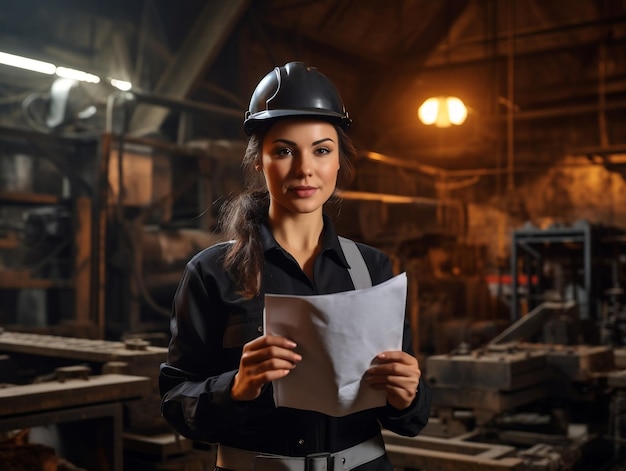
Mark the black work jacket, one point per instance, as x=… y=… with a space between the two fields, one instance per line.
x=211 y=323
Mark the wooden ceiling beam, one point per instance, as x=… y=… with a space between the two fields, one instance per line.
x=527 y=42
x=199 y=49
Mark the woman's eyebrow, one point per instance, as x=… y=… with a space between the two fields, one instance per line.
x=323 y=140
x=284 y=141
x=291 y=143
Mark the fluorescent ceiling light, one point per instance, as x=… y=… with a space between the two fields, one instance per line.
x=28 y=64
x=77 y=75
x=121 y=84
x=64 y=72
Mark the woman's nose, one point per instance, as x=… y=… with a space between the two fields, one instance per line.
x=304 y=165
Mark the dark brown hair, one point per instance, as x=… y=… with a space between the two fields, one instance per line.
x=241 y=217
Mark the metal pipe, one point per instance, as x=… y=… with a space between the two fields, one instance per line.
x=389 y=198
x=187 y=105
x=510 y=110
x=393 y=161
x=567 y=110
x=440 y=172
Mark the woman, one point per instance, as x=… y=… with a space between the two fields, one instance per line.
x=216 y=384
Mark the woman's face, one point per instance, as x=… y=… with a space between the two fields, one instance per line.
x=300 y=161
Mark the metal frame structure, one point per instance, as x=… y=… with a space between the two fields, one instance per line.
x=532 y=244
x=66 y=154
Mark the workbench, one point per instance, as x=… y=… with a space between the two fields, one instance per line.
x=87 y=412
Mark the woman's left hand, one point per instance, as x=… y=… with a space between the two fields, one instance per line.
x=398 y=373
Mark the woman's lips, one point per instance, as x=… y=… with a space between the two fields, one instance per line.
x=304 y=191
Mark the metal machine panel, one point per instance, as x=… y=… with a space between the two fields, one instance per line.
x=483 y=399
x=580 y=362
x=491 y=371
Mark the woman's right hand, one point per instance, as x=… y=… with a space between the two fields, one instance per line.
x=263 y=359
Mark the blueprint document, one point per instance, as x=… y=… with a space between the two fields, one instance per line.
x=338 y=336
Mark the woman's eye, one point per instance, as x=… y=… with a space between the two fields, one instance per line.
x=284 y=152
x=323 y=151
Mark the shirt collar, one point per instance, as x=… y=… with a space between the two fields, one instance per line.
x=330 y=241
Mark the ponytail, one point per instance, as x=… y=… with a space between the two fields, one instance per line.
x=240 y=221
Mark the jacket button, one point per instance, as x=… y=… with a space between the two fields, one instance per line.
x=301 y=441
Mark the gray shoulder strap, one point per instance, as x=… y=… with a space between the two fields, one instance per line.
x=358 y=269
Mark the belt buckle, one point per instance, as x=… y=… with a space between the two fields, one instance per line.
x=311 y=462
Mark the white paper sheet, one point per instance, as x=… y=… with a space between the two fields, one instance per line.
x=338 y=336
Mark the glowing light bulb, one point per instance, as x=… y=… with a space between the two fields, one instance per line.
x=442 y=111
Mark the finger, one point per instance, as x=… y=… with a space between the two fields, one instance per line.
x=395 y=356
x=252 y=357
x=270 y=340
x=394 y=369
x=259 y=376
x=404 y=382
x=269 y=346
x=394 y=374
x=396 y=392
x=272 y=364
x=395 y=363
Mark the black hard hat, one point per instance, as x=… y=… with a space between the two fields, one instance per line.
x=295 y=90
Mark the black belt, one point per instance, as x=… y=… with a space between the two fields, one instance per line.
x=236 y=459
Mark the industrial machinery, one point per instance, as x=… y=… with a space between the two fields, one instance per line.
x=93 y=244
x=533 y=398
x=95 y=231
x=547 y=391
x=46 y=229
x=161 y=211
x=95 y=225
x=584 y=262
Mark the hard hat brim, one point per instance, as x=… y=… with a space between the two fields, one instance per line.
x=269 y=116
